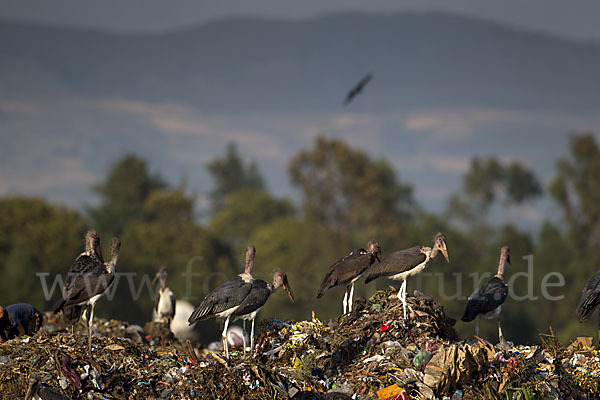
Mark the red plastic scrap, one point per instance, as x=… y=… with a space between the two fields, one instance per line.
x=385 y=326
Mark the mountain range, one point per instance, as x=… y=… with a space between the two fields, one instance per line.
x=445 y=88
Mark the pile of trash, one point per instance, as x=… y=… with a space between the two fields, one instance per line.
x=370 y=353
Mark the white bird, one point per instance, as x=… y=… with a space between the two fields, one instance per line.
x=164 y=311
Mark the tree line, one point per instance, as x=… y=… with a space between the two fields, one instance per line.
x=345 y=198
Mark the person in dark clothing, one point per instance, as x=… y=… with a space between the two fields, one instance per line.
x=19 y=319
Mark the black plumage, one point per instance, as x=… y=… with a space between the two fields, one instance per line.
x=486 y=299
x=225 y=297
x=397 y=262
x=260 y=292
x=349 y=269
x=590 y=298
x=357 y=89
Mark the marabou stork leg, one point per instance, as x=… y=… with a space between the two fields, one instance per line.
x=477 y=325
x=252 y=338
x=90 y=323
x=500 y=335
x=224 y=337
x=244 y=339
x=345 y=299
x=350 y=300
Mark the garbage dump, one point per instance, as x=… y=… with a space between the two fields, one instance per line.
x=369 y=353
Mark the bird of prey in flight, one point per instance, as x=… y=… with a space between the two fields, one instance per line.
x=357 y=89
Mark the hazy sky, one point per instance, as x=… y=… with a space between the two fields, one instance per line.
x=575 y=18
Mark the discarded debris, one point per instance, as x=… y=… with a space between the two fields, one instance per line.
x=369 y=353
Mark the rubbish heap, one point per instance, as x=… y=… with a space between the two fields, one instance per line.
x=370 y=353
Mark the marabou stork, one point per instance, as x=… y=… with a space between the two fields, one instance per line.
x=350 y=269
x=90 y=258
x=357 y=89
x=487 y=301
x=165 y=302
x=223 y=301
x=404 y=263
x=41 y=391
x=260 y=291
x=89 y=285
x=590 y=298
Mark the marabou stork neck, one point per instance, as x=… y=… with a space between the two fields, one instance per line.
x=165 y=302
x=487 y=301
x=404 y=263
x=590 y=298
x=350 y=269
x=90 y=259
x=224 y=300
x=260 y=291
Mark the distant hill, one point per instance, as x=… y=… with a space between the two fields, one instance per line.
x=73 y=100
x=251 y=64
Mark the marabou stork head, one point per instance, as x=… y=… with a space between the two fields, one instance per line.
x=162 y=276
x=92 y=244
x=440 y=243
x=279 y=280
x=375 y=249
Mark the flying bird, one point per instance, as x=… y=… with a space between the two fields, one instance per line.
x=350 y=269
x=487 y=301
x=405 y=263
x=357 y=89
x=590 y=298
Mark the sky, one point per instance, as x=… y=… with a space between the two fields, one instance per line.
x=573 y=19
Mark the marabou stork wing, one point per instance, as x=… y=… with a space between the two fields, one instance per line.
x=485 y=299
x=88 y=285
x=346 y=269
x=397 y=262
x=82 y=265
x=590 y=298
x=357 y=89
x=258 y=296
x=228 y=295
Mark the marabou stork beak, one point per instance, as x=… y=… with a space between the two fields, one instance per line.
x=288 y=289
x=156 y=277
x=444 y=250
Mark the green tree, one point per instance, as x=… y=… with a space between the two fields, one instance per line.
x=35 y=237
x=349 y=192
x=231 y=173
x=245 y=211
x=123 y=194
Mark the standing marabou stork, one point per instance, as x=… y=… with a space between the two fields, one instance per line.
x=350 y=269
x=590 y=298
x=224 y=300
x=165 y=302
x=404 y=263
x=88 y=260
x=487 y=301
x=89 y=285
x=260 y=291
